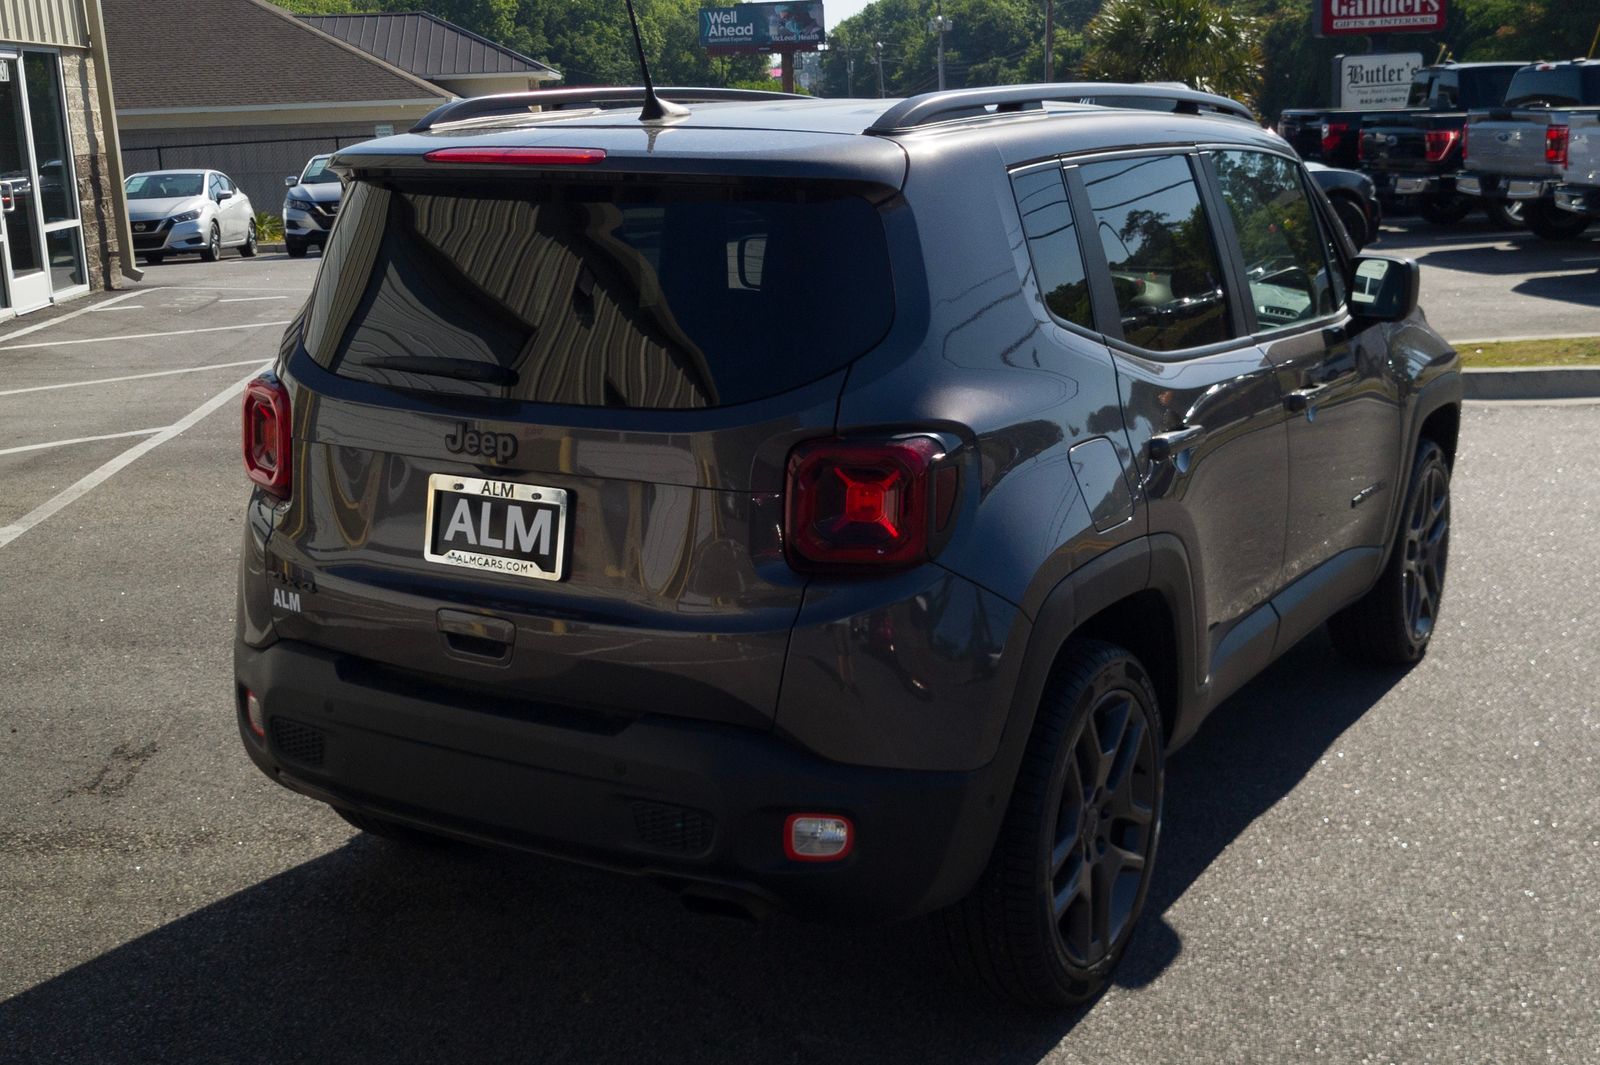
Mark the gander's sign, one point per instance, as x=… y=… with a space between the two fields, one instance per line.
x=1342 y=17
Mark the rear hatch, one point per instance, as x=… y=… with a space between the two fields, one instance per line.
x=541 y=417
x=1510 y=143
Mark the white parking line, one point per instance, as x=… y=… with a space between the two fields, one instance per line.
x=252 y=299
x=129 y=377
x=68 y=317
x=87 y=484
x=142 y=336
x=82 y=440
x=123 y=307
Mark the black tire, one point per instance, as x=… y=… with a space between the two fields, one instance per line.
x=1445 y=209
x=154 y=259
x=1013 y=932
x=248 y=248
x=1354 y=220
x=295 y=248
x=1507 y=214
x=1549 y=222
x=213 y=249
x=374 y=825
x=1393 y=622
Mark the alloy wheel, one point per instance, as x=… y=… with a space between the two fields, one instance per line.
x=1427 y=546
x=1104 y=828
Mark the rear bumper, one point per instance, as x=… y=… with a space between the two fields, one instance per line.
x=1578 y=200
x=1422 y=184
x=696 y=803
x=1499 y=187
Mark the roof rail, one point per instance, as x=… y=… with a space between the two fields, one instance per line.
x=957 y=104
x=591 y=96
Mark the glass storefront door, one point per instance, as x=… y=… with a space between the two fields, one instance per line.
x=41 y=233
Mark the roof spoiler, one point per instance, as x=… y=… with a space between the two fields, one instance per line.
x=584 y=97
x=958 y=104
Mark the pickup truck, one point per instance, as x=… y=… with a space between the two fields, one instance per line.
x=1579 y=191
x=1417 y=152
x=1521 y=152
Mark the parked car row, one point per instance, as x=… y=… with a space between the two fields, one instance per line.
x=1519 y=167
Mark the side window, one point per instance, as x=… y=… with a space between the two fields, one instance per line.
x=212 y=186
x=1053 y=244
x=223 y=184
x=1285 y=260
x=1164 y=265
x=1446 y=92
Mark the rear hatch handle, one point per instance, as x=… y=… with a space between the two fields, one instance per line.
x=480 y=638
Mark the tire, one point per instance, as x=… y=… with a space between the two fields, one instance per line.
x=154 y=259
x=374 y=825
x=248 y=248
x=1444 y=210
x=295 y=248
x=1354 y=220
x=1393 y=622
x=1549 y=222
x=213 y=249
x=1507 y=214
x=1013 y=932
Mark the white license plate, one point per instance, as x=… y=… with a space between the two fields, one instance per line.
x=496 y=526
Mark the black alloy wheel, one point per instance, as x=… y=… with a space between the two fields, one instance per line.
x=248 y=248
x=1051 y=916
x=213 y=249
x=1393 y=623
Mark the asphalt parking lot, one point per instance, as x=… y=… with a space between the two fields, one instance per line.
x=1357 y=866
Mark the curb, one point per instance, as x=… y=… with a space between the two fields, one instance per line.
x=1540 y=382
x=270 y=245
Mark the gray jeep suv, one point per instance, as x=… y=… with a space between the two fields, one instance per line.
x=842 y=506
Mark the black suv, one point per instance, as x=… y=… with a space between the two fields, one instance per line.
x=842 y=506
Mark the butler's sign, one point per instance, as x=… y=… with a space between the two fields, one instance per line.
x=1338 y=18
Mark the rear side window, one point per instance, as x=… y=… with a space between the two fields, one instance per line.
x=1053 y=244
x=1285 y=262
x=615 y=295
x=1164 y=264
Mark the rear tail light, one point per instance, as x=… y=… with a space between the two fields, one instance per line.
x=253 y=713
x=518 y=156
x=1332 y=134
x=855 y=503
x=266 y=435
x=818 y=837
x=1438 y=143
x=1556 y=139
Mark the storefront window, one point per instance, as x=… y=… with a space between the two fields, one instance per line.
x=66 y=258
x=50 y=145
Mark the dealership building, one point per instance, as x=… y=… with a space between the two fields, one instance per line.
x=62 y=216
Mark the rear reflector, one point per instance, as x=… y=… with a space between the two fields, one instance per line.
x=518 y=156
x=857 y=503
x=254 y=714
x=266 y=435
x=818 y=837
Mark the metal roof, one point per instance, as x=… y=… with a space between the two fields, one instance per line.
x=428 y=46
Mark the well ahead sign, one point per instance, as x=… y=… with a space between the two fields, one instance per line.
x=1339 y=18
x=747 y=28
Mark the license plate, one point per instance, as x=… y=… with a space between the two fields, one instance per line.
x=496 y=526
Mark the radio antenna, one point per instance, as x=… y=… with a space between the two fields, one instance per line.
x=655 y=108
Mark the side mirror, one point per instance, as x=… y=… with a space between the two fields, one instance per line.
x=1383 y=289
x=291 y=181
x=224 y=194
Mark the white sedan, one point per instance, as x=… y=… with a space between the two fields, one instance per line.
x=179 y=211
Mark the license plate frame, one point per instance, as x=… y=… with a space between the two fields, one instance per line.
x=446 y=520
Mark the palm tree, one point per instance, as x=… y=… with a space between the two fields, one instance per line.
x=1199 y=42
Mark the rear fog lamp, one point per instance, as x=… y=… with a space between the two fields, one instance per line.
x=817 y=837
x=254 y=714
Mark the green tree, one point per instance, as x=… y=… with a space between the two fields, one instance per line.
x=1200 y=42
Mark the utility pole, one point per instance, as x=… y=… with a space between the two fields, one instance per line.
x=1049 y=40
x=850 y=74
x=940 y=25
x=877 y=48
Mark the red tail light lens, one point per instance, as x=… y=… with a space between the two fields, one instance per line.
x=1438 y=143
x=1556 y=139
x=266 y=435
x=518 y=156
x=1332 y=134
x=866 y=503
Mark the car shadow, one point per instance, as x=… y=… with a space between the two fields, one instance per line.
x=1526 y=256
x=375 y=952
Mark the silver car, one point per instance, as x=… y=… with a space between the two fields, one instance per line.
x=310 y=206
x=179 y=211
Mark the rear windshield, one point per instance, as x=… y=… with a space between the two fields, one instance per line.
x=1568 y=86
x=602 y=294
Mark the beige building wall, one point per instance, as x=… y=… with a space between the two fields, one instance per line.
x=54 y=22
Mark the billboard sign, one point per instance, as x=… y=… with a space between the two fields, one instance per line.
x=1376 y=81
x=1338 y=18
x=779 y=27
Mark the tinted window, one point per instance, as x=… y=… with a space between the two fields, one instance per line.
x=1563 y=86
x=1445 y=91
x=1053 y=244
x=1486 y=87
x=658 y=296
x=317 y=172
x=1164 y=265
x=1421 y=88
x=1284 y=259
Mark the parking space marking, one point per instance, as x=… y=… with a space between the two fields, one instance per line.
x=120 y=307
x=129 y=377
x=81 y=440
x=142 y=336
x=88 y=483
x=68 y=317
x=251 y=299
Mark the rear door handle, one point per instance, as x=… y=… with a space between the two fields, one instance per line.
x=1163 y=446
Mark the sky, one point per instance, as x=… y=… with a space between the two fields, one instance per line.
x=836 y=11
